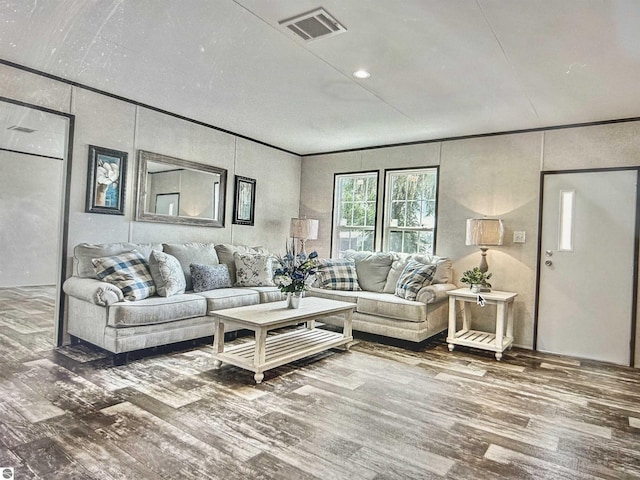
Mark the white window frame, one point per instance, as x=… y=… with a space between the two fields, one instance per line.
x=428 y=223
x=339 y=227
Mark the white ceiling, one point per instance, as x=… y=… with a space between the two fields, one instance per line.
x=439 y=68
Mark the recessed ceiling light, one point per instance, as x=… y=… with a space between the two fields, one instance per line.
x=361 y=74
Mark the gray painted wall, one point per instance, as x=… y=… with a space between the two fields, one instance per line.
x=30 y=198
x=494 y=176
x=108 y=122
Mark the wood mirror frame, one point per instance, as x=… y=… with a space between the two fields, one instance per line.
x=202 y=202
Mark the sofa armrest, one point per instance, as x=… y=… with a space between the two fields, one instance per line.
x=434 y=293
x=93 y=291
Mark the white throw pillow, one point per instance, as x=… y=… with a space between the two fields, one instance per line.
x=254 y=270
x=167 y=274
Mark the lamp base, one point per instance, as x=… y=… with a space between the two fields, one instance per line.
x=484 y=266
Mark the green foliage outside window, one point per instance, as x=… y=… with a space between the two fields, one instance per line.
x=412 y=207
x=357 y=197
x=410 y=211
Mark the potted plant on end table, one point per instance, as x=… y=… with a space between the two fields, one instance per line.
x=476 y=279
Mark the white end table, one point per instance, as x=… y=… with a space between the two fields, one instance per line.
x=496 y=342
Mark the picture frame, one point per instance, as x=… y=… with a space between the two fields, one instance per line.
x=106 y=180
x=244 y=201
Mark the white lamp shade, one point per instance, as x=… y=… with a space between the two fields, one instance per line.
x=304 y=228
x=485 y=231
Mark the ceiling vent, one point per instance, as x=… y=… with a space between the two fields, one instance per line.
x=317 y=23
x=18 y=128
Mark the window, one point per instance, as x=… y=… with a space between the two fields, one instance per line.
x=355 y=202
x=410 y=210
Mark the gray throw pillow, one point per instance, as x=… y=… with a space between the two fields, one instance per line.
x=209 y=277
x=167 y=274
x=188 y=253
x=372 y=270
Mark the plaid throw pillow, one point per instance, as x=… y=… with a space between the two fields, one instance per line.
x=414 y=276
x=337 y=274
x=127 y=271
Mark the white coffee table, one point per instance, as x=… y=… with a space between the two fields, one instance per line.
x=270 y=351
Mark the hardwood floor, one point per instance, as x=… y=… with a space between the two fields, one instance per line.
x=378 y=412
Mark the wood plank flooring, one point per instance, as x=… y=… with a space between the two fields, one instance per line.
x=380 y=411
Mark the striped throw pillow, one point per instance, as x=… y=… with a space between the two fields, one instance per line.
x=337 y=274
x=127 y=271
x=414 y=276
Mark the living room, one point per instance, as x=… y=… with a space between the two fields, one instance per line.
x=485 y=174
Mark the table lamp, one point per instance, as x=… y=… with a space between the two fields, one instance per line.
x=485 y=233
x=303 y=229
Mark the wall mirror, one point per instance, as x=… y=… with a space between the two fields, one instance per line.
x=172 y=190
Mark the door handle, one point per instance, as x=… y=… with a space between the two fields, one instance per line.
x=548 y=263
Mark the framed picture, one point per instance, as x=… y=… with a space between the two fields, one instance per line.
x=244 y=201
x=106 y=181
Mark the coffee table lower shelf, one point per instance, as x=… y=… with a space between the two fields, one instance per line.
x=282 y=348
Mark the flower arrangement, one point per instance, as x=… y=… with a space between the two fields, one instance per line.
x=294 y=270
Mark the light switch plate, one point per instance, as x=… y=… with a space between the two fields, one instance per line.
x=519 y=237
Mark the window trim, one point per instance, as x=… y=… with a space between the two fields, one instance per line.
x=334 y=206
x=385 y=214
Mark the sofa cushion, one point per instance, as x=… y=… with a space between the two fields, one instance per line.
x=229 y=298
x=127 y=271
x=337 y=274
x=378 y=304
x=342 y=295
x=156 y=310
x=372 y=270
x=269 y=294
x=188 y=253
x=414 y=276
x=167 y=274
x=254 y=269
x=84 y=253
x=388 y=305
x=226 y=253
x=209 y=277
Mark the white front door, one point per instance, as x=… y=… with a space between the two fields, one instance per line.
x=586 y=264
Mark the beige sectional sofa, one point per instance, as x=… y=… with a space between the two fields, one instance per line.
x=98 y=312
x=379 y=310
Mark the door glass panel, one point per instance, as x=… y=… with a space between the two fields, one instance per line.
x=565 y=232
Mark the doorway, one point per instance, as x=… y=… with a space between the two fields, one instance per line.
x=588 y=264
x=35 y=162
